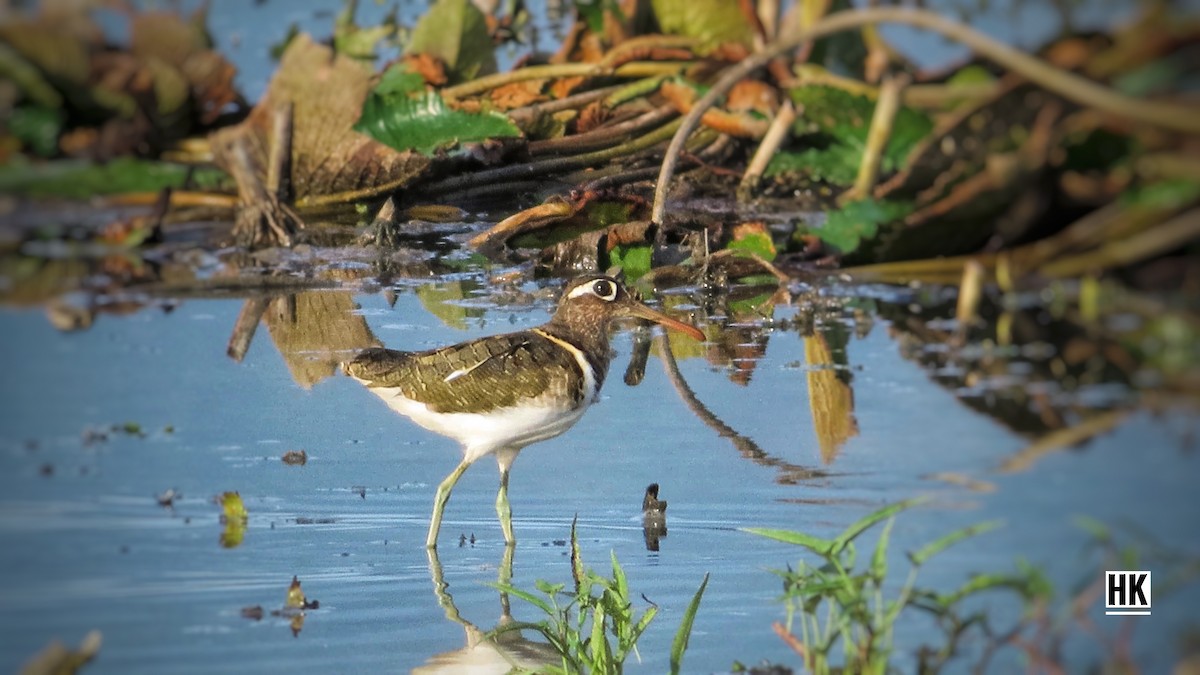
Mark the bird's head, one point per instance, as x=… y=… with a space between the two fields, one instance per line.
x=589 y=302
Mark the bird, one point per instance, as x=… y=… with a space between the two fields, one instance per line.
x=654 y=517
x=496 y=395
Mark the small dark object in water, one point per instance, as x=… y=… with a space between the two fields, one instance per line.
x=166 y=499
x=295 y=457
x=654 y=517
x=651 y=503
x=254 y=612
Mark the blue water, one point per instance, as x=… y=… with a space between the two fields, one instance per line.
x=88 y=546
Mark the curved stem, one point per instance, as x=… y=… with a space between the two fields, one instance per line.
x=1070 y=86
x=603 y=136
x=543 y=167
x=632 y=69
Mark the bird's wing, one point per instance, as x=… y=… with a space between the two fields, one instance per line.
x=497 y=371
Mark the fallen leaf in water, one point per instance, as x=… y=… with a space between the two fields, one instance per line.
x=234 y=509
x=296 y=599
x=295 y=596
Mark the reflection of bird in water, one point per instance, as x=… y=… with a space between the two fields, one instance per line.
x=504 y=652
x=497 y=394
x=654 y=517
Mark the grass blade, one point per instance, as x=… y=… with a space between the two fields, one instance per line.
x=679 y=644
x=524 y=595
x=942 y=543
x=865 y=523
x=879 y=564
x=814 y=544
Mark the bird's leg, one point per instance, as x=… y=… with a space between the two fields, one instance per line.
x=503 y=510
x=504 y=459
x=439 y=502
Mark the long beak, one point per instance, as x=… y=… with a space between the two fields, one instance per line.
x=642 y=311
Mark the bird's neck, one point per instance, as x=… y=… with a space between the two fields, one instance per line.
x=589 y=335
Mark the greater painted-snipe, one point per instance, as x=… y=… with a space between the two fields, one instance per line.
x=497 y=394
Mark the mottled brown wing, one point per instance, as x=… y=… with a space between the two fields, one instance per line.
x=492 y=372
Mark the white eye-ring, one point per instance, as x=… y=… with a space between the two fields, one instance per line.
x=605 y=289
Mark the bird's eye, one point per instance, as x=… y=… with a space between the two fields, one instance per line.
x=605 y=289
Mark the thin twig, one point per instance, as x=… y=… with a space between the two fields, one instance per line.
x=556 y=164
x=633 y=69
x=877 y=136
x=776 y=133
x=603 y=136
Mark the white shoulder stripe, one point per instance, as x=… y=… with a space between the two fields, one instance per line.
x=585 y=366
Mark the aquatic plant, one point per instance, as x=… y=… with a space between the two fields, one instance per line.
x=594 y=628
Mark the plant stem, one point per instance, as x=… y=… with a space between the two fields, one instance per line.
x=633 y=69
x=547 y=166
x=1078 y=89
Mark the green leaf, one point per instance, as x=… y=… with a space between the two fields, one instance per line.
x=834 y=129
x=598 y=641
x=526 y=596
x=547 y=587
x=28 y=79
x=357 y=42
x=620 y=583
x=633 y=260
x=814 y=544
x=879 y=559
x=401 y=114
x=712 y=22
x=753 y=240
x=456 y=32
x=680 y=643
x=863 y=524
x=1167 y=195
x=835 y=163
x=942 y=543
x=37 y=128
x=848 y=227
x=846 y=119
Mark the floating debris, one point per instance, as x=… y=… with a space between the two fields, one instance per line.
x=253 y=612
x=166 y=499
x=57 y=659
x=295 y=457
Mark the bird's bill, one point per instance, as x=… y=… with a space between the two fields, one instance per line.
x=643 y=312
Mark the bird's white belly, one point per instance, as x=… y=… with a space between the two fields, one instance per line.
x=482 y=434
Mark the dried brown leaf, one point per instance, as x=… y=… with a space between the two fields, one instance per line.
x=328 y=156
x=518 y=94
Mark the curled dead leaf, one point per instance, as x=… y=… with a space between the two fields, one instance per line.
x=742 y=125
